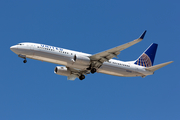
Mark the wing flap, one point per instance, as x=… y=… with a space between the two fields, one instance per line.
x=75 y=73
x=72 y=77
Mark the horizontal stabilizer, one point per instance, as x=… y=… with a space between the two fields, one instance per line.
x=156 y=67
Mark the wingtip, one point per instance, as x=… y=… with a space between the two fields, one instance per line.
x=171 y=62
x=142 y=36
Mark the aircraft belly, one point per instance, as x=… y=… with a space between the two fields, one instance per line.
x=56 y=58
x=50 y=57
x=117 y=71
x=78 y=66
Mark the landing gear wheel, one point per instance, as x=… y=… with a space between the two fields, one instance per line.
x=24 y=61
x=81 y=77
x=93 y=70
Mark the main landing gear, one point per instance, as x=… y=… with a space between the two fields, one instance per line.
x=93 y=70
x=82 y=77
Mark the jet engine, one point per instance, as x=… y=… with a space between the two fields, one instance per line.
x=83 y=60
x=62 y=70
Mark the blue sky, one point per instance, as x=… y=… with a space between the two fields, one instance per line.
x=32 y=91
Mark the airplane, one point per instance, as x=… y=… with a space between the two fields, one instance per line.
x=78 y=64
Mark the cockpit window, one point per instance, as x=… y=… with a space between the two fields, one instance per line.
x=20 y=44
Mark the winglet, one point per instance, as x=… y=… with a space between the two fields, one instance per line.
x=142 y=36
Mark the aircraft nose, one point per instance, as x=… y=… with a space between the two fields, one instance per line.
x=13 y=48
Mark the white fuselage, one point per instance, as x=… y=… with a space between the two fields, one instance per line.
x=64 y=57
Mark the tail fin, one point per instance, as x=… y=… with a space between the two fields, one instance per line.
x=147 y=58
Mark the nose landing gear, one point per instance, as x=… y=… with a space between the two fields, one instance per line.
x=24 y=57
x=25 y=61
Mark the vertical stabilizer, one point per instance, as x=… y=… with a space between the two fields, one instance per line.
x=147 y=58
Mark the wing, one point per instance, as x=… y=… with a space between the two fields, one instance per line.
x=101 y=57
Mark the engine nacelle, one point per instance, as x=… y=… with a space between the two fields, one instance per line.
x=83 y=60
x=62 y=70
